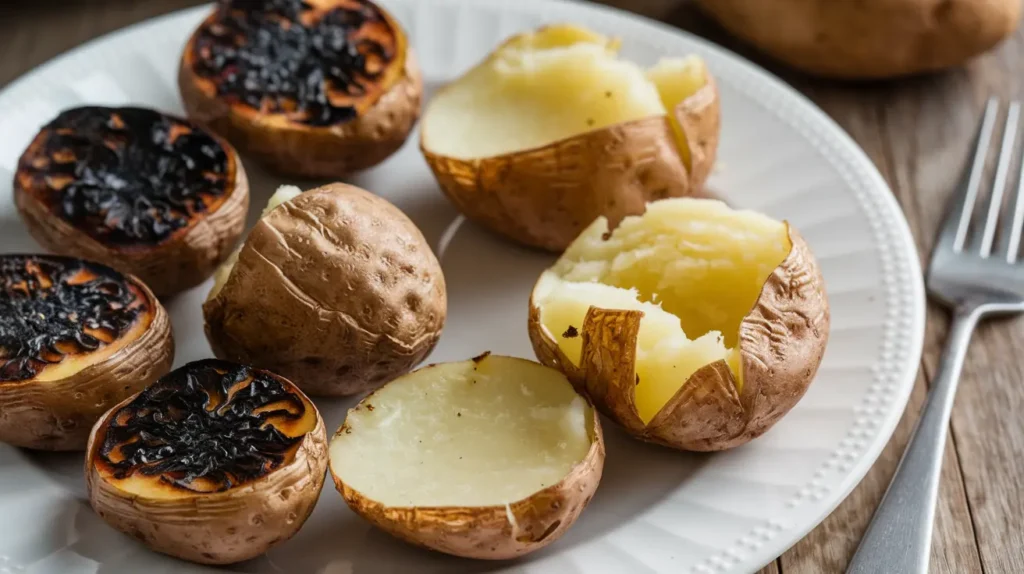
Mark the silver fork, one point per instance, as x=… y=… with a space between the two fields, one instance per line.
x=975 y=277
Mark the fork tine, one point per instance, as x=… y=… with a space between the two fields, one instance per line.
x=1012 y=233
x=995 y=203
x=958 y=218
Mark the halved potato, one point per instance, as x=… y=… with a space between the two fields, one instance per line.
x=214 y=463
x=694 y=326
x=488 y=458
x=76 y=338
x=552 y=131
x=319 y=88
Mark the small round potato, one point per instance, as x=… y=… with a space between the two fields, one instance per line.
x=335 y=289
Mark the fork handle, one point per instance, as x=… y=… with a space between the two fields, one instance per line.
x=900 y=534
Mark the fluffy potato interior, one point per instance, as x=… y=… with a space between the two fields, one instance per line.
x=549 y=85
x=694 y=267
x=469 y=433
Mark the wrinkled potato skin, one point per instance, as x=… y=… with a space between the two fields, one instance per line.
x=336 y=290
x=546 y=196
x=299 y=150
x=184 y=260
x=484 y=532
x=58 y=415
x=219 y=528
x=869 y=39
x=782 y=341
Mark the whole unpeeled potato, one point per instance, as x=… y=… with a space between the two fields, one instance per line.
x=868 y=38
x=334 y=289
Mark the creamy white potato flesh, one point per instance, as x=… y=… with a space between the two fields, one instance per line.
x=472 y=433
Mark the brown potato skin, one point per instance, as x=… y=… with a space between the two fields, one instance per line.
x=544 y=197
x=868 y=40
x=336 y=290
x=183 y=261
x=484 y=532
x=782 y=341
x=299 y=150
x=58 y=415
x=223 y=527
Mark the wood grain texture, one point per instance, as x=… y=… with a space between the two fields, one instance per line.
x=917 y=132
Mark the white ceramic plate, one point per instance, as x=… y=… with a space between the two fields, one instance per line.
x=656 y=510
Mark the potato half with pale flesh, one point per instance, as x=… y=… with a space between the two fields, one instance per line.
x=552 y=130
x=334 y=288
x=488 y=458
x=214 y=463
x=694 y=326
x=76 y=338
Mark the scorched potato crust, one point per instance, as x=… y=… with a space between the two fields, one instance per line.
x=489 y=458
x=311 y=88
x=75 y=338
x=214 y=463
x=335 y=289
x=147 y=193
x=693 y=326
x=552 y=131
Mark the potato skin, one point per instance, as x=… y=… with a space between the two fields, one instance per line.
x=299 y=150
x=869 y=39
x=218 y=528
x=183 y=261
x=484 y=532
x=782 y=341
x=544 y=197
x=58 y=415
x=336 y=290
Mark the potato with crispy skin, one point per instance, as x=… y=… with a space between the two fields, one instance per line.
x=693 y=326
x=214 y=463
x=334 y=288
x=552 y=131
x=310 y=88
x=76 y=338
x=490 y=458
x=869 y=39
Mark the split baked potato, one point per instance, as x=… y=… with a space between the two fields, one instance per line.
x=489 y=458
x=868 y=38
x=693 y=326
x=552 y=130
x=312 y=88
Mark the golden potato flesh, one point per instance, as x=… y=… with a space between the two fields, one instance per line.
x=214 y=463
x=335 y=289
x=489 y=458
x=552 y=130
x=676 y=303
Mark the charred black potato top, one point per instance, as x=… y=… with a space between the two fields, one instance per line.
x=206 y=427
x=289 y=56
x=53 y=308
x=126 y=176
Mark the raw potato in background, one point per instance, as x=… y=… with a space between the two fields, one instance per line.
x=552 y=130
x=868 y=38
x=334 y=289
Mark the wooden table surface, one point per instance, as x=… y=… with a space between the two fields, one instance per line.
x=917 y=132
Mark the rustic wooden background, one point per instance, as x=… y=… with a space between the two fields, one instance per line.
x=917 y=132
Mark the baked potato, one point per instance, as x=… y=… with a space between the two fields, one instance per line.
x=310 y=88
x=76 y=338
x=868 y=39
x=693 y=326
x=334 y=288
x=552 y=131
x=214 y=463
x=489 y=458
x=144 y=192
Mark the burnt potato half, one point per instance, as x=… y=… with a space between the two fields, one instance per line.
x=311 y=88
x=76 y=338
x=147 y=193
x=214 y=463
